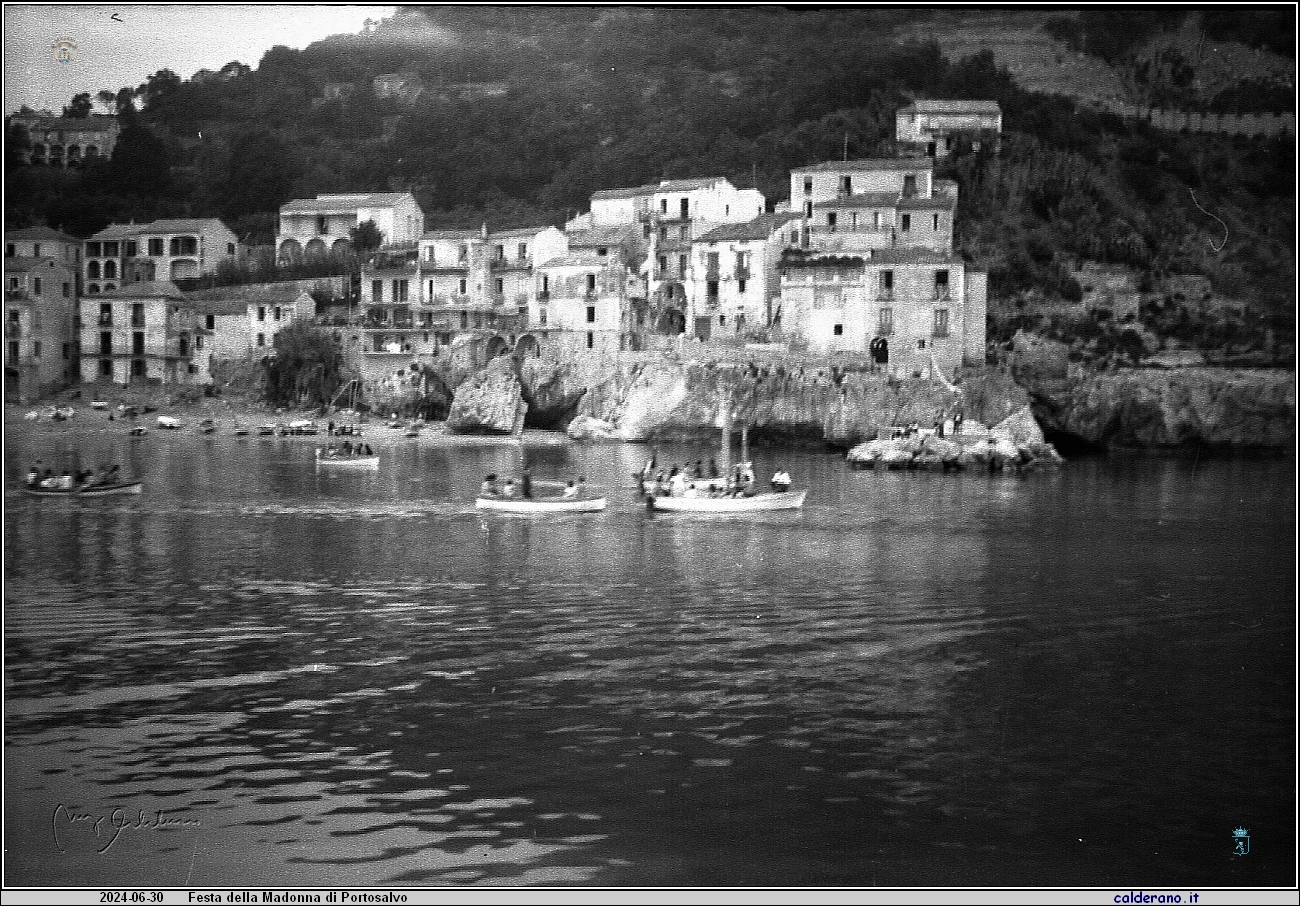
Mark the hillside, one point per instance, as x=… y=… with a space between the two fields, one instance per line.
x=582 y=99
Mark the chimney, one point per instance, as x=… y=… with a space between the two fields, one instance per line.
x=484 y=233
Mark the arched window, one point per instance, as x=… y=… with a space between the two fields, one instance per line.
x=110 y=269
x=92 y=270
x=93 y=289
x=109 y=287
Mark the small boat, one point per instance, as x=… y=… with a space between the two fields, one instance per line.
x=347 y=461
x=98 y=404
x=775 y=500
x=540 y=505
x=397 y=425
x=413 y=431
x=266 y=430
x=138 y=431
x=169 y=423
x=207 y=426
x=101 y=490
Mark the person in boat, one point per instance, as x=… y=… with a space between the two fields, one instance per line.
x=526 y=484
x=571 y=491
x=509 y=489
x=699 y=469
x=649 y=469
x=781 y=481
x=582 y=485
x=677 y=483
x=661 y=485
x=368 y=450
x=489 y=488
x=691 y=491
x=65 y=481
x=33 y=476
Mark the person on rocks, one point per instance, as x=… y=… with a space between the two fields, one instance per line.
x=571 y=491
x=489 y=488
x=509 y=489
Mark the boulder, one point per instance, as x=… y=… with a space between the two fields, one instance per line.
x=588 y=428
x=552 y=391
x=866 y=455
x=976 y=455
x=490 y=402
x=895 y=458
x=1020 y=427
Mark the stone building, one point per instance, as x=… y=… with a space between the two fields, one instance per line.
x=937 y=127
x=733 y=285
x=40 y=326
x=589 y=304
x=143 y=333
x=315 y=227
x=59 y=141
x=173 y=251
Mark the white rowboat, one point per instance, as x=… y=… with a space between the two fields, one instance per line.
x=539 y=505
x=784 y=500
x=347 y=462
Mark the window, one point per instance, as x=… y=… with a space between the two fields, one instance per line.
x=663 y=234
x=132 y=249
x=462 y=253
x=401 y=291
x=886 y=283
x=9 y=250
x=323 y=225
x=36 y=349
x=462 y=287
x=941 y=322
x=105 y=367
x=230 y=248
x=663 y=206
x=838 y=330
x=36 y=319
x=501 y=285
x=36 y=250
x=110 y=249
x=681 y=265
x=712 y=291
x=92 y=270
x=67 y=348
x=907 y=223
x=909 y=185
x=523 y=251
x=846 y=185
x=198 y=342
x=740 y=286
x=941 y=284
x=602 y=251
x=67 y=291
x=501 y=253
x=210 y=322
x=936 y=223
x=663 y=264
x=831 y=219
x=193 y=369
x=275 y=313
x=37 y=284
x=261 y=339
x=686 y=208
x=682 y=231
x=591 y=340
x=109 y=287
x=886 y=324
x=13 y=349
x=156 y=246
x=591 y=314
x=376 y=291
x=261 y=312
x=591 y=283
x=722 y=320
x=137 y=314
x=713 y=262
x=807 y=185
x=541 y=315
x=875 y=219
x=93 y=249
x=110 y=270
x=646 y=230
x=807 y=209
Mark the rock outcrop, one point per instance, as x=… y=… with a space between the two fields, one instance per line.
x=1015 y=443
x=584 y=427
x=552 y=391
x=489 y=402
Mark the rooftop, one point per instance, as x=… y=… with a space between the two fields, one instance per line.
x=40 y=232
x=519 y=231
x=181 y=226
x=148 y=289
x=879 y=163
x=935 y=203
x=863 y=200
x=323 y=204
x=940 y=106
x=666 y=185
x=450 y=234
x=912 y=255
x=759 y=228
x=579 y=258
x=117 y=231
x=235 y=299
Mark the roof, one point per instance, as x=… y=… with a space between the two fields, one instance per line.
x=181 y=226
x=147 y=289
x=117 y=231
x=21 y=263
x=40 y=232
x=450 y=234
x=604 y=235
x=863 y=200
x=340 y=203
x=934 y=203
x=761 y=227
x=96 y=122
x=879 y=163
x=912 y=255
x=938 y=106
x=221 y=301
x=686 y=185
x=519 y=231
x=633 y=192
x=578 y=258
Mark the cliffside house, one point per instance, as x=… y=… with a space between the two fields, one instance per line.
x=40 y=326
x=928 y=306
x=59 y=141
x=589 y=304
x=244 y=320
x=315 y=227
x=144 y=333
x=939 y=127
x=173 y=251
x=733 y=282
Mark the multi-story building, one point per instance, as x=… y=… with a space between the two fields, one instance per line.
x=40 y=312
x=589 y=304
x=43 y=242
x=60 y=141
x=400 y=86
x=928 y=306
x=852 y=207
x=315 y=227
x=144 y=332
x=164 y=250
x=938 y=127
x=734 y=283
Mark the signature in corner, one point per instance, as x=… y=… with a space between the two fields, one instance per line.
x=110 y=826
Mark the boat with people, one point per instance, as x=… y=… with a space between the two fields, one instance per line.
x=554 y=497
x=169 y=423
x=759 y=502
x=96 y=490
x=89 y=483
x=335 y=458
x=266 y=430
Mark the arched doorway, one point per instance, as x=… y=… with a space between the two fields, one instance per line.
x=497 y=346
x=528 y=347
x=290 y=251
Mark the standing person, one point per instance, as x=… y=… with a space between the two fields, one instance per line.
x=956 y=422
x=489 y=488
x=331 y=428
x=526 y=483
x=582 y=485
x=713 y=468
x=33 y=475
x=699 y=468
x=509 y=489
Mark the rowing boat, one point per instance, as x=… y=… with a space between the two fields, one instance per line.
x=540 y=505
x=103 y=490
x=347 y=462
x=777 y=500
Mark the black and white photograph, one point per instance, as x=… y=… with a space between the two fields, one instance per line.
x=764 y=452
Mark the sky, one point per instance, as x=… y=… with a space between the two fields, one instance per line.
x=109 y=53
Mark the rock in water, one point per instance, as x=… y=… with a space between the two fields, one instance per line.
x=490 y=402
x=585 y=427
x=1020 y=427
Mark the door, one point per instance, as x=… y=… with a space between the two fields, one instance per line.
x=704 y=328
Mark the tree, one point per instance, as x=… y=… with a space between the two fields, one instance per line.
x=259 y=175
x=141 y=164
x=158 y=88
x=80 y=107
x=17 y=145
x=107 y=99
x=306 y=368
x=366 y=237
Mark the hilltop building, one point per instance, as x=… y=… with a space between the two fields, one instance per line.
x=938 y=128
x=316 y=227
x=61 y=141
x=177 y=251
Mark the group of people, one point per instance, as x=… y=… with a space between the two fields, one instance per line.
x=348 y=448
x=69 y=480
x=691 y=481
x=492 y=487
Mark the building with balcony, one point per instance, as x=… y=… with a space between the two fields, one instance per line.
x=734 y=285
x=58 y=141
x=40 y=326
x=43 y=242
x=589 y=304
x=929 y=307
x=175 y=251
x=316 y=227
x=940 y=128
x=144 y=333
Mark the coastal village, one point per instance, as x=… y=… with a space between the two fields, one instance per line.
x=858 y=263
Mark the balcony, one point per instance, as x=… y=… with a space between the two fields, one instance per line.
x=885 y=295
x=942 y=295
x=742 y=272
x=13 y=329
x=543 y=297
x=940 y=333
x=711 y=272
x=505 y=264
x=105 y=321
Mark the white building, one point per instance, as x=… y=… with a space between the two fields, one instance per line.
x=937 y=126
x=733 y=283
x=315 y=227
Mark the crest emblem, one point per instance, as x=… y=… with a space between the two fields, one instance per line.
x=63 y=49
x=1240 y=841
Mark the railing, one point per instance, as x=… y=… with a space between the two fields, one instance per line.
x=543 y=297
x=508 y=263
x=939 y=332
x=885 y=295
x=742 y=272
x=942 y=295
x=826 y=229
x=497 y=299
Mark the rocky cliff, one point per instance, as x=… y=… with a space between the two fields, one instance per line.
x=1155 y=407
x=489 y=402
